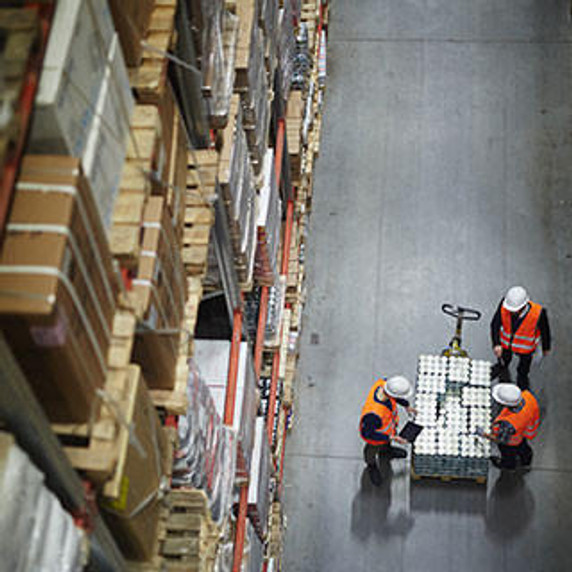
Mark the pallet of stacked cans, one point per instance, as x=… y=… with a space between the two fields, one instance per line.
x=251 y=82
x=453 y=399
x=268 y=223
x=220 y=29
x=238 y=187
x=36 y=532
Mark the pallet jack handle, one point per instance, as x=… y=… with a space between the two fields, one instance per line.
x=460 y=312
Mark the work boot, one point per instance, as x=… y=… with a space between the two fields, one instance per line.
x=374 y=475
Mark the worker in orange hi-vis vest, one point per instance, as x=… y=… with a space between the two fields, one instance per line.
x=379 y=420
x=514 y=426
x=517 y=327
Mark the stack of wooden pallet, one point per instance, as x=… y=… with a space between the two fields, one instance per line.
x=188 y=539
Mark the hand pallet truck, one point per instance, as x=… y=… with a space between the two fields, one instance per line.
x=455 y=348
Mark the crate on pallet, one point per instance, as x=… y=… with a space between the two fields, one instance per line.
x=294 y=118
x=218 y=61
x=268 y=225
x=159 y=297
x=259 y=487
x=238 y=188
x=58 y=290
x=149 y=78
x=212 y=358
x=132 y=19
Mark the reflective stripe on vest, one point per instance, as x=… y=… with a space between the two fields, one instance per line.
x=527 y=336
x=525 y=422
x=389 y=418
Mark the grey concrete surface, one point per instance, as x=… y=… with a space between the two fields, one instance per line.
x=444 y=176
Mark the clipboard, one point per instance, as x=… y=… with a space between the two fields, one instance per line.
x=410 y=431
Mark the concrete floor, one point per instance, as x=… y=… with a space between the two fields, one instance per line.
x=445 y=175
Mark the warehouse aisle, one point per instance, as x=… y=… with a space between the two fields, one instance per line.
x=444 y=176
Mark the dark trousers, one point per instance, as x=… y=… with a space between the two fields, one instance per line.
x=523 y=368
x=510 y=454
x=370 y=452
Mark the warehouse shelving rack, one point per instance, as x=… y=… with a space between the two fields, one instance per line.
x=9 y=170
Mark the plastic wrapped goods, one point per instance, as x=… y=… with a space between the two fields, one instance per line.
x=206 y=456
x=36 y=533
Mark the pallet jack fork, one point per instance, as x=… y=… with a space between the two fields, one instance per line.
x=461 y=314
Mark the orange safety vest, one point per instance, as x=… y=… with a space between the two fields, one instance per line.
x=525 y=422
x=527 y=336
x=374 y=406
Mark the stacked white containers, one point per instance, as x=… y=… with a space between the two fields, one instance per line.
x=453 y=399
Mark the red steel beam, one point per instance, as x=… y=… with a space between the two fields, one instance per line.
x=280 y=479
x=279 y=150
x=272 y=397
x=240 y=530
x=262 y=315
x=230 y=395
x=287 y=237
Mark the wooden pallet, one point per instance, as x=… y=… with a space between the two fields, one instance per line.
x=188 y=539
x=149 y=80
x=481 y=480
x=136 y=185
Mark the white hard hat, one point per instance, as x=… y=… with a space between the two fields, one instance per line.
x=516 y=299
x=507 y=394
x=398 y=387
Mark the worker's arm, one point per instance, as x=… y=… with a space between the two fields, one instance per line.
x=405 y=403
x=501 y=433
x=544 y=328
x=495 y=331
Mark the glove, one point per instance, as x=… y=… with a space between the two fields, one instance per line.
x=479 y=431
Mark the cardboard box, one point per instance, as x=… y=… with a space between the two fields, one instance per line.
x=131 y=19
x=106 y=145
x=159 y=293
x=133 y=513
x=57 y=287
x=72 y=73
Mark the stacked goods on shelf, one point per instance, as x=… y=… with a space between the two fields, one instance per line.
x=159 y=294
x=275 y=535
x=58 y=291
x=132 y=19
x=220 y=32
x=149 y=77
x=36 y=533
x=453 y=399
x=253 y=556
x=251 y=82
x=19 y=31
x=276 y=299
x=199 y=212
x=84 y=102
x=131 y=498
x=258 y=490
x=294 y=114
x=286 y=45
x=303 y=58
x=237 y=184
x=190 y=538
x=267 y=11
x=212 y=359
x=268 y=225
x=206 y=457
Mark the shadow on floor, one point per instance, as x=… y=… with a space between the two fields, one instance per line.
x=371 y=506
x=510 y=507
x=451 y=497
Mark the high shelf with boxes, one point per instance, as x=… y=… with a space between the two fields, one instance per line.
x=108 y=252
